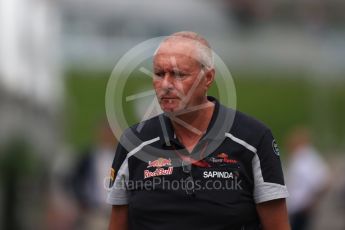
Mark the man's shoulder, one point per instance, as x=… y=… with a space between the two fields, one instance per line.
x=245 y=121
x=135 y=135
x=248 y=128
x=146 y=129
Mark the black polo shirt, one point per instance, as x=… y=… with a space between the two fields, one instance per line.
x=234 y=166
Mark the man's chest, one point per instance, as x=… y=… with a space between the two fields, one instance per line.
x=219 y=185
x=227 y=169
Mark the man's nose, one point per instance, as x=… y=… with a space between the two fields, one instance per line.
x=168 y=81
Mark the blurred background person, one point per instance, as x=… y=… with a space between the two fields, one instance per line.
x=307 y=178
x=90 y=178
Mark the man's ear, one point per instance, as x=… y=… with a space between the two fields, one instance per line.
x=209 y=77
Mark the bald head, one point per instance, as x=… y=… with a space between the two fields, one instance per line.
x=192 y=36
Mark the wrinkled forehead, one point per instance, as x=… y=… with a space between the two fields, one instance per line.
x=179 y=46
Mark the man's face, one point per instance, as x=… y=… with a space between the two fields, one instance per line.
x=179 y=80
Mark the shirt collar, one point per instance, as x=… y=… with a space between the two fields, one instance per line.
x=168 y=137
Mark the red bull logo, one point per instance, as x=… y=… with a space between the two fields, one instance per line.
x=158 y=172
x=160 y=162
x=160 y=168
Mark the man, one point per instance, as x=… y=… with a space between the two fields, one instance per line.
x=245 y=155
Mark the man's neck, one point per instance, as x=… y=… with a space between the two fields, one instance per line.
x=191 y=126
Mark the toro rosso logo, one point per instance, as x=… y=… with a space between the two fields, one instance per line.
x=162 y=167
x=222 y=159
x=225 y=158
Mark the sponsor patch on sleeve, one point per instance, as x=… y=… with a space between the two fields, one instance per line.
x=112 y=174
x=111 y=177
x=275 y=147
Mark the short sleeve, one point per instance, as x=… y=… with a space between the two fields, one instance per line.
x=267 y=171
x=118 y=194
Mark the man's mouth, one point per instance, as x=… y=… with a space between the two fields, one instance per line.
x=169 y=99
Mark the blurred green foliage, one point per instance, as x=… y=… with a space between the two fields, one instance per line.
x=281 y=102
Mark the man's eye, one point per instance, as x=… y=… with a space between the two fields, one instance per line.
x=159 y=74
x=180 y=75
